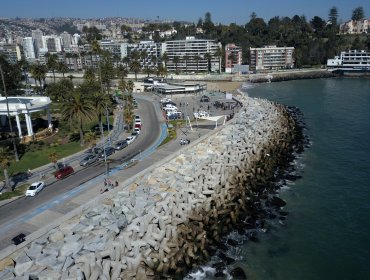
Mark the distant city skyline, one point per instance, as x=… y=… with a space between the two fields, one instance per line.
x=226 y=12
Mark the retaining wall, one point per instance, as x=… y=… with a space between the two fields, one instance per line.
x=163 y=220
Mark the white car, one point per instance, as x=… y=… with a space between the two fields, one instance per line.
x=130 y=139
x=35 y=188
x=137 y=130
x=163 y=100
x=170 y=106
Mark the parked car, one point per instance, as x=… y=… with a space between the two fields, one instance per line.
x=168 y=103
x=204 y=98
x=89 y=159
x=107 y=152
x=137 y=130
x=130 y=139
x=137 y=118
x=121 y=144
x=63 y=172
x=170 y=106
x=35 y=188
x=163 y=100
x=135 y=134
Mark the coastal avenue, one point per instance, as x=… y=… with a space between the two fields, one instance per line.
x=27 y=215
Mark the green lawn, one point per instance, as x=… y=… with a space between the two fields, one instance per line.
x=31 y=160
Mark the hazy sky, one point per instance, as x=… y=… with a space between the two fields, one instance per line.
x=224 y=11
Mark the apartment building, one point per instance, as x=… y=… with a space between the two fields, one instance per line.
x=271 y=58
x=11 y=51
x=355 y=27
x=28 y=44
x=150 y=48
x=233 y=56
x=192 y=55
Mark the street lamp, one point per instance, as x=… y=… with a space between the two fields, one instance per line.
x=8 y=115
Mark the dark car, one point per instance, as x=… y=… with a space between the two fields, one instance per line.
x=121 y=144
x=108 y=151
x=89 y=159
x=204 y=98
x=63 y=172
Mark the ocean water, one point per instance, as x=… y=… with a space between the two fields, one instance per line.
x=327 y=232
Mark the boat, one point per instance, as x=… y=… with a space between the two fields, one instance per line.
x=352 y=62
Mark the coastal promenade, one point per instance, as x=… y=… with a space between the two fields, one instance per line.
x=162 y=220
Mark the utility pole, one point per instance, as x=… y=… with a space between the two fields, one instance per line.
x=8 y=115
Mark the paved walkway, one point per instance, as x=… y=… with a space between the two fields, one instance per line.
x=61 y=205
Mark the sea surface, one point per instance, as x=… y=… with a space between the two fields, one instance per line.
x=327 y=232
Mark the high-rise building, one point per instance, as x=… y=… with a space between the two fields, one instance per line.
x=192 y=55
x=233 y=56
x=66 y=39
x=28 y=44
x=271 y=58
x=52 y=43
x=37 y=37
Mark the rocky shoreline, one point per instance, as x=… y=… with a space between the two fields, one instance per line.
x=170 y=219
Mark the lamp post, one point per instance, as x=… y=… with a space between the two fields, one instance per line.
x=8 y=115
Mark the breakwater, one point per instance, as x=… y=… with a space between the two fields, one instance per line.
x=164 y=222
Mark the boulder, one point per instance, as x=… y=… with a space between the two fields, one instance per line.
x=238 y=274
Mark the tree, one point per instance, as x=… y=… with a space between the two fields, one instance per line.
x=38 y=72
x=165 y=59
x=62 y=68
x=101 y=102
x=208 y=57
x=333 y=15
x=78 y=108
x=121 y=71
x=176 y=61
x=317 y=23
x=358 y=13
x=54 y=157
x=135 y=67
x=12 y=74
x=197 y=58
x=5 y=160
x=52 y=63
x=186 y=58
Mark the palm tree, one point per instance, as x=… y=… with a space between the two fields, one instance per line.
x=5 y=160
x=165 y=59
x=121 y=71
x=208 y=57
x=130 y=86
x=148 y=70
x=186 y=58
x=52 y=63
x=219 y=54
x=38 y=72
x=90 y=138
x=135 y=67
x=176 y=60
x=62 y=68
x=197 y=58
x=100 y=102
x=122 y=85
x=78 y=108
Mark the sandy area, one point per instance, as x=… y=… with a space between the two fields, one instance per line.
x=223 y=86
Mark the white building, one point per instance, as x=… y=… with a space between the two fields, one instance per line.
x=271 y=58
x=52 y=43
x=192 y=55
x=66 y=39
x=355 y=27
x=28 y=44
x=152 y=50
x=37 y=36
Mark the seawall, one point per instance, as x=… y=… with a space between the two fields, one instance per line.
x=163 y=221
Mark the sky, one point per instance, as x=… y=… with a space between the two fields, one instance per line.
x=222 y=11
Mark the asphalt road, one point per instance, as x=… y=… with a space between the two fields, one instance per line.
x=14 y=216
